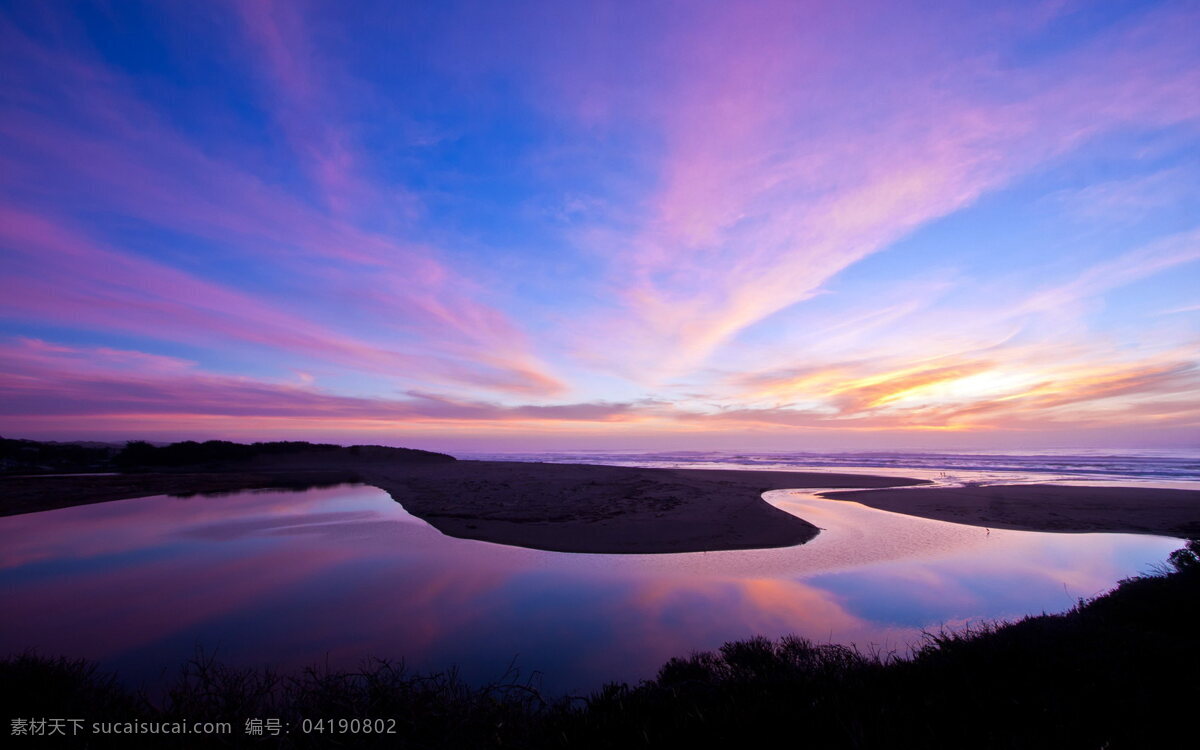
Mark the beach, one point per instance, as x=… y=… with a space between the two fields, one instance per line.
x=370 y=569
x=558 y=507
x=611 y=509
x=1046 y=507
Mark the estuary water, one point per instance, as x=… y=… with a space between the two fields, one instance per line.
x=333 y=575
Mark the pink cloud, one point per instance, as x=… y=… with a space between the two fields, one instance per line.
x=67 y=278
x=788 y=158
x=42 y=384
x=793 y=141
x=117 y=155
x=39 y=379
x=306 y=111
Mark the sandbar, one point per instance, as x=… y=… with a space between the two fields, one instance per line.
x=1046 y=507
x=615 y=509
x=558 y=507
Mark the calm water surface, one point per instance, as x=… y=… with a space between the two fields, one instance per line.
x=336 y=574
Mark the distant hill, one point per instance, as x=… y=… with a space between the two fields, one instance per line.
x=31 y=456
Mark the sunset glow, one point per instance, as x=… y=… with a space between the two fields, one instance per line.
x=491 y=226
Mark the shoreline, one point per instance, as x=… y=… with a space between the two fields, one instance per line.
x=1057 y=508
x=589 y=508
x=610 y=509
x=556 y=507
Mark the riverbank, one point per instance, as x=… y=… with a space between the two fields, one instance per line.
x=620 y=509
x=557 y=507
x=608 y=509
x=32 y=494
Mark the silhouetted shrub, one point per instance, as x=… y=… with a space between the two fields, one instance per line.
x=140 y=454
x=32 y=456
x=1187 y=558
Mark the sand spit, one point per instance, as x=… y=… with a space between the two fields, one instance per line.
x=617 y=509
x=609 y=509
x=559 y=507
x=1046 y=507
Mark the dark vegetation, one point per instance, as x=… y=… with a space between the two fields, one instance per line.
x=1119 y=671
x=33 y=457
x=50 y=491
x=139 y=454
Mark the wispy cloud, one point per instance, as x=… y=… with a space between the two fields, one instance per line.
x=782 y=218
x=105 y=150
x=306 y=109
x=44 y=382
x=61 y=276
x=43 y=379
x=778 y=176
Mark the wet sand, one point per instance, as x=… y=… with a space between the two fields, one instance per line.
x=559 y=507
x=1043 y=507
x=610 y=509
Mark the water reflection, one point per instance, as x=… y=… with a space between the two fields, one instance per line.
x=335 y=574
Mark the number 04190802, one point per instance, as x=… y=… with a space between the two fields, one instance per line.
x=348 y=726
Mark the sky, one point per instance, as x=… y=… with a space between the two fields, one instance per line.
x=654 y=225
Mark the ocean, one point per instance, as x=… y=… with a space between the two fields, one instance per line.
x=1164 y=468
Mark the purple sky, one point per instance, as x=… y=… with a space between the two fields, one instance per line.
x=524 y=226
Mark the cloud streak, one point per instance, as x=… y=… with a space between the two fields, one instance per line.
x=43 y=381
x=127 y=161
x=786 y=218
x=773 y=184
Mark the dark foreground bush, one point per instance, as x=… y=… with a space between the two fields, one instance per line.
x=1120 y=671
